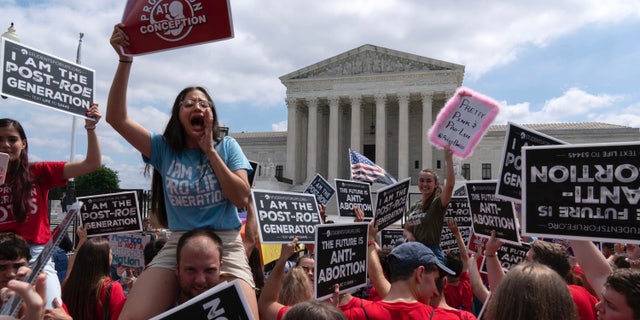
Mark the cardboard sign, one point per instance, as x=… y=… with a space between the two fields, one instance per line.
x=128 y=249
x=390 y=238
x=352 y=194
x=340 y=257
x=161 y=25
x=284 y=215
x=463 y=121
x=509 y=183
x=45 y=80
x=321 y=188
x=111 y=213
x=475 y=243
x=490 y=213
x=509 y=255
x=585 y=192
x=458 y=209
x=224 y=301
x=448 y=239
x=4 y=164
x=391 y=203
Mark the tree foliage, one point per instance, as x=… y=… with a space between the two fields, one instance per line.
x=103 y=180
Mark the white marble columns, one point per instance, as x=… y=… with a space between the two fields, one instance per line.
x=403 y=135
x=312 y=138
x=334 y=144
x=381 y=130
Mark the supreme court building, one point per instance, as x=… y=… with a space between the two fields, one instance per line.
x=381 y=103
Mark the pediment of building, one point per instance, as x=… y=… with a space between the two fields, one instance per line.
x=370 y=60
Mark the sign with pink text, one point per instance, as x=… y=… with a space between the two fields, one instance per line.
x=463 y=121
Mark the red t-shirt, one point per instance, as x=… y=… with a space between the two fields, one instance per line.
x=282 y=311
x=355 y=302
x=460 y=296
x=36 y=228
x=584 y=301
x=116 y=300
x=444 y=314
x=383 y=310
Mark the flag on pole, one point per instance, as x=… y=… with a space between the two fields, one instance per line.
x=363 y=169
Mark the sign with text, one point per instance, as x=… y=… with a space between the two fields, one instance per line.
x=161 y=25
x=341 y=257
x=284 y=215
x=583 y=191
x=224 y=301
x=321 y=188
x=490 y=213
x=351 y=194
x=111 y=213
x=475 y=243
x=128 y=249
x=448 y=239
x=509 y=183
x=391 y=204
x=458 y=209
x=390 y=238
x=4 y=164
x=509 y=255
x=463 y=121
x=45 y=80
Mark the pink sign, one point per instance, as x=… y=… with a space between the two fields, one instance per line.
x=156 y=25
x=463 y=121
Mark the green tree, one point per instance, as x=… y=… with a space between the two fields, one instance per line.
x=103 y=180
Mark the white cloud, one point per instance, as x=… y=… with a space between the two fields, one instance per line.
x=280 y=126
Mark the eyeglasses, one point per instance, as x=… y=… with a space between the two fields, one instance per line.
x=188 y=104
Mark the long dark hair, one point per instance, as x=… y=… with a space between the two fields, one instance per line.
x=20 y=179
x=176 y=138
x=82 y=289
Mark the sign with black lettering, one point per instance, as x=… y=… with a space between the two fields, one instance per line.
x=509 y=255
x=351 y=194
x=458 y=209
x=582 y=191
x=509 y=177
x=341 y=257
x=284 y=215
x=390 y=238
x=45 y=80
x=448 y=239
x=111 y=213
x=463 y=121
x=128 y=249
x=224 y=301
x=321 y=188
x=391 y=203
x=490 y=213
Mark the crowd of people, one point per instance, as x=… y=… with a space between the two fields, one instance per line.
x=414 y=280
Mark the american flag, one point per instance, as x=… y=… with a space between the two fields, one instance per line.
x=363 y=169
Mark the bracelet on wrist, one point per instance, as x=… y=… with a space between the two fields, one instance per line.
x=91 y=127
x=489 y=255
x=125 y=61
x=371 y=243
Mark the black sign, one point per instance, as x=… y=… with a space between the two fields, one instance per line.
x=224 y=301
x=490 y=213
x=448 y=239
x=509 y=255
x=351 y=194
x=390 y=238
x=36 y=77
x=341 y=257
x=321 y=188
x=252 y=175
x=509 y=185
x=110 y=213
x=458 y=209
x=391 y=203
x=585 y=192
x=284 y=215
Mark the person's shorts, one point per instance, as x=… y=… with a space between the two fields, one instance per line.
x=234 y=258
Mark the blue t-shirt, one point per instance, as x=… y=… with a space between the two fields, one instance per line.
x=192 y=193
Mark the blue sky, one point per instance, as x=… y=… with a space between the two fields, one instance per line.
x=548 y=61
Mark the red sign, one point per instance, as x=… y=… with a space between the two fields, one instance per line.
x=155 y=25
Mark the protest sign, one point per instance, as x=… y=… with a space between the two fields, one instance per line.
x=340 y=257
x=156 y=25
x=509 y=177
x=128 y=249
x=284 y=215
x=475 y=243
x=390 y=238
x=583 y=191
x=463 y=122
x=490 y=213
x=391 y=203
x=111 y=213
x=458 y=209
x=509 y=255
x=321 y=188
x=45 y=80
x=4 y=163
x=352 y=194
x=224 y=301
x=448 y=239
x=254 y=169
